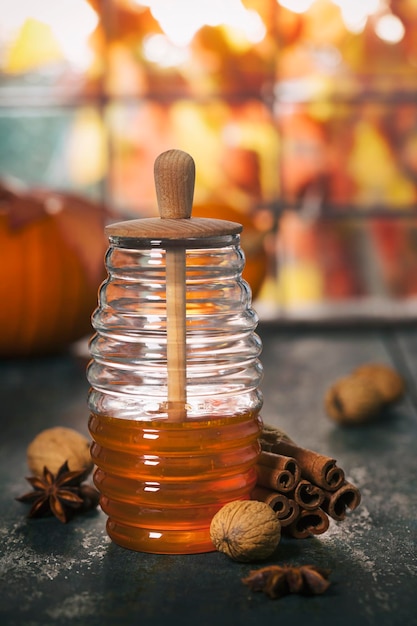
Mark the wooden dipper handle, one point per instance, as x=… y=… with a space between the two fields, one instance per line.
x=174 y=173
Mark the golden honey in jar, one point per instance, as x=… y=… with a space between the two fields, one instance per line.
x=164 y=470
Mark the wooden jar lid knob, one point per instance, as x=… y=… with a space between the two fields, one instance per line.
x=174 y=172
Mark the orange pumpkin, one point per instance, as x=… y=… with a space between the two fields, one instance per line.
x=52 y=264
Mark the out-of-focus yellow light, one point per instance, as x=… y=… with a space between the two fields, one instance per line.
x=296 y=6
x=86 y=148
x=390 y=28
x=159 y=49
x=356 y=12
x=34 y=46
x=182 y=19
x=70 y=22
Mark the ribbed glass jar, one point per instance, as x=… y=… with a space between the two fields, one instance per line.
x=162 y=480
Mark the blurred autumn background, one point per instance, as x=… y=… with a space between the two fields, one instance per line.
x=301 y=116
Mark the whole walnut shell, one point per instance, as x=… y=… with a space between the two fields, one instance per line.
x=385 y=379
x=246 y=530
x=53 y=446
x=353 y=400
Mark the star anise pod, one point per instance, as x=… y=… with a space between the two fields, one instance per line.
x=57 y=494
x=277 y=581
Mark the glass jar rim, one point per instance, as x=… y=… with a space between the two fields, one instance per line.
x=192 y=243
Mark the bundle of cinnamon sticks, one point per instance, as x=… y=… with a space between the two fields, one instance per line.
x=303 y=487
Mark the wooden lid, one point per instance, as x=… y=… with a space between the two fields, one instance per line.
x=174 y=181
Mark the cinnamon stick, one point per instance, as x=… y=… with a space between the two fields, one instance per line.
x=317 y=468
x=286 y=509
x=336 y=503
x=277 y=471
x=308 y=523
x=272 y=434
x=291 y=514
x=320 y=492
x=307 y=495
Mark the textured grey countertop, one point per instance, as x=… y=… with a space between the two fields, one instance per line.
x=72 y=574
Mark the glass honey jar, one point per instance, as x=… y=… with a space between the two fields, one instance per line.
x=175 y=373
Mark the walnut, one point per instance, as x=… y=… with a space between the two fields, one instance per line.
x=53 y=446
x=353 y=400
x=385 y=379
x=360 y=396
x=246 y=530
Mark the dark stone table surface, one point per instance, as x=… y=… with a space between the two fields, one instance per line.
x=59 y=574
